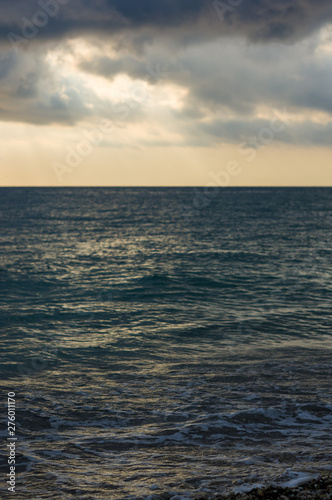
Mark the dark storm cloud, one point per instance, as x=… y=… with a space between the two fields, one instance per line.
x=7 y=63
x=232 y=77
x=162 y=12
x=255 y=19
x=198 y=46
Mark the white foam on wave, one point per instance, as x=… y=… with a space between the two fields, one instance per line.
x=246 y=488
x=292 y=479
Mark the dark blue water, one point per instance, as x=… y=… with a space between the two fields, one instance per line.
x=164 y=339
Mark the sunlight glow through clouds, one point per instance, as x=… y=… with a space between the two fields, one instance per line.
x=211 y=93
x=120 y=89
x=325 y=43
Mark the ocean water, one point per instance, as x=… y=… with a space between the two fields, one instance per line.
x=165 y=340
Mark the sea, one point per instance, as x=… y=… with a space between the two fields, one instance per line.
x=165 y=342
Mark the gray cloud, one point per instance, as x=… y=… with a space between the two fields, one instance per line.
x=229 y=76
x=259 y=133
x=31 y=92
x=189 y=20
x=198 y=45
x=7 y=63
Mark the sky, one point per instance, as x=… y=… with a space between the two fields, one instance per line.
x=166 y=93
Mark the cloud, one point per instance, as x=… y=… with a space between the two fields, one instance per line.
x=231 y=66
x=231 y=77
x=258 y=134
x=7 y=63
x=32 y=90
x=187 y=20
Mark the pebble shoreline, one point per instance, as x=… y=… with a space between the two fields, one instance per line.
x=316 y=489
